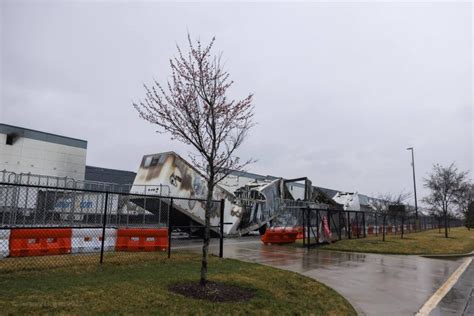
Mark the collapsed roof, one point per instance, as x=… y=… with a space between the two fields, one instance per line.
x=249 y=205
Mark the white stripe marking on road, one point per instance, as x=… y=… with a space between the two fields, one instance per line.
x=443 y=290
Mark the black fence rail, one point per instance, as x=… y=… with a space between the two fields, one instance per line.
x=43 y=226
x=67 y=182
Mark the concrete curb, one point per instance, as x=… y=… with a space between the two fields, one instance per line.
x=433 y=256
x=449 y=256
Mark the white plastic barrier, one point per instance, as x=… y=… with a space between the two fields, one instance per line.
x=86 y=240
x=4 y=243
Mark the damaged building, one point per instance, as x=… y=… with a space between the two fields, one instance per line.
x=252 y=201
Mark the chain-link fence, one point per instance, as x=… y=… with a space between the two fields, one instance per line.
x=378 y=223
x=44 y=226
x=71 y=183
x=324 y=225
x=329 y=225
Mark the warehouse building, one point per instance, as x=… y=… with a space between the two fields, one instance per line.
x=23 y=151
x=41 y=158
x=32 y=157
x=99 y=174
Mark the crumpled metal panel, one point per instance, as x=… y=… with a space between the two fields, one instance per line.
x=257 y=199
x=349 y=201
x=247 y=209
x=185 y=181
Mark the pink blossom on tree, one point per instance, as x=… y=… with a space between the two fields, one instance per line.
x=194 y=109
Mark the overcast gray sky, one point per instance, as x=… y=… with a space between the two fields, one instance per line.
x=341 y=89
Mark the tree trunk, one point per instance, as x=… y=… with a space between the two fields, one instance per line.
x=446 y=224
x=383 y=227
x=207 y=232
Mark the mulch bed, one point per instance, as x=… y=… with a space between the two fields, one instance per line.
x=213 y=291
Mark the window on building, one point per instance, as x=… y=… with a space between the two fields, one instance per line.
x=147 y=162
x=10 y=138
x=154 y=161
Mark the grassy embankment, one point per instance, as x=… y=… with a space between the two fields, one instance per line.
x=127 y=285
x=430 y=242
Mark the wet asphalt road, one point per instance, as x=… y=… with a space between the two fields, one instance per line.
x=460 y=299
x=373 y=284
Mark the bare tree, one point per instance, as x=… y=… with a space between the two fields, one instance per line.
x=195 y=110
x=465 y=197
x=465 y=202
x=469 y=216
x=381 y=206
x=446 y=184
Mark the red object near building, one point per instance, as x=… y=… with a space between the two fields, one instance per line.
x=139 y=239
x=326 y=229
x=26 y=242
x=279 y=235
x=299 y=230
x=370 y=230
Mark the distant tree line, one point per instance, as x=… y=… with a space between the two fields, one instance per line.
x=450 y=194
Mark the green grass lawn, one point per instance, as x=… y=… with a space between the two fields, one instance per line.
x=430 y=242
x=133 y=286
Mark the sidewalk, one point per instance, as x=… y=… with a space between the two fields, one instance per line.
x=373 y=284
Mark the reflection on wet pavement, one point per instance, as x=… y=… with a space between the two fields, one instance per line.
x=374 y=284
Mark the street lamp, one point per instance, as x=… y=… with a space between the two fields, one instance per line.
x=414 y=182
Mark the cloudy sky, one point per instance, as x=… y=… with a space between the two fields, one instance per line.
x=341 y=89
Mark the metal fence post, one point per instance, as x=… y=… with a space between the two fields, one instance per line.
x=221 y=228
x=349 y=226
x=340 y=225
x=363 y=223
x=170 y=228
x=308 y=222
x=357 y=224
x=304 y=226
x=317 y=227
x=103 y=229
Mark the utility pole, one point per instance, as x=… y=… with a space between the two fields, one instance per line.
x=414 y=183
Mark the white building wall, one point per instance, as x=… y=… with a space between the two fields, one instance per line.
x=42 y=157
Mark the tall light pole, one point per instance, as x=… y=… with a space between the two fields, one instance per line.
x=414 y=182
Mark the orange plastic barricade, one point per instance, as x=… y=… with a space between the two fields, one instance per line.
x=26 y=242
x=299 y=230
x=279 y=235
x=138 y=239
